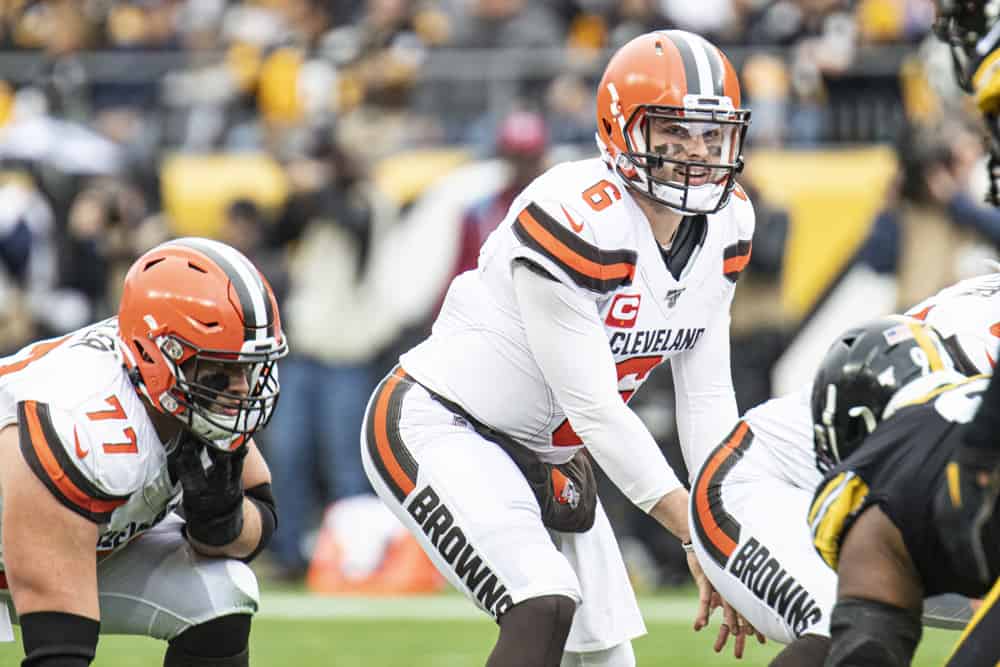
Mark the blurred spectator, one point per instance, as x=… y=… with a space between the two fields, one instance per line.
x=246 y=228
x=932 y=223
x=487 y=24
x=631 y=18
x=521 y=141
x=331 y=225
x=379 y=59
x=712 y=19
x=32 y=304
x=569 y=105
x=107 y=227
x=766 y=90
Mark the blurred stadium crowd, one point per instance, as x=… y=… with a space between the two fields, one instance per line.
x=359 y=151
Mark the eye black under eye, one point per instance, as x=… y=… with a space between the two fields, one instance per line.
x=217 y=381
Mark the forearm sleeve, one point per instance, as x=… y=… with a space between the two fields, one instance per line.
x=703 y=391
x=571 y=348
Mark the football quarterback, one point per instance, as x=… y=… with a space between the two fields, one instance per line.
x=602 y=270
x=106 y=431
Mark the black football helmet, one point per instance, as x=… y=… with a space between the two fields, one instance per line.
x=859 y=375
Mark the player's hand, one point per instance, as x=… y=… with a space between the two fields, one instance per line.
x=708 y=599
x=963 y=506
x=732 y=622
x=213 y=490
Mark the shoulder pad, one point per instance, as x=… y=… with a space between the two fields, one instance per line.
x=554 y=235
x=57 y=451
x=742 y=219
x=833 y=510
x=743 y=212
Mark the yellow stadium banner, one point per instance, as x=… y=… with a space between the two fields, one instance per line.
x=832 y=197
x=405 y=175
x=197 y=189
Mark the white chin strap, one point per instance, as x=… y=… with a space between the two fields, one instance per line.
x=219 y=437
x=699 y=197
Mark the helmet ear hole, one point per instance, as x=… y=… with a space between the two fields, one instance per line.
x=142 y=351
x=607 y=125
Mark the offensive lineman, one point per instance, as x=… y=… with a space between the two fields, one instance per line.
x=602 y=270
x=750 y=500
x=105 y=431
x=970 y=28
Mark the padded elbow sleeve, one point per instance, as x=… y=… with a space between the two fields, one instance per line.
x=865 y=632
x=263 y=498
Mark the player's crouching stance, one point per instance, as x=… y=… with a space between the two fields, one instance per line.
x=108 y=430
x=890 y=412
x=602 y=270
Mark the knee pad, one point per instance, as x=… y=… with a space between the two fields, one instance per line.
x=220 y=642
x=865 y=632
x=533 y=633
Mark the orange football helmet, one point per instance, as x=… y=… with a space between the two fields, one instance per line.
x=201 y=300
x=687 y=86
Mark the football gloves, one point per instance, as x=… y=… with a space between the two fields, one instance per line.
x=212 y=486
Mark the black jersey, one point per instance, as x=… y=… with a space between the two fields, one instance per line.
x=899 y=468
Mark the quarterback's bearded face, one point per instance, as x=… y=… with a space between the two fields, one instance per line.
x=686 y=142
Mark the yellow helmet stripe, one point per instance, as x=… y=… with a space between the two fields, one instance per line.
x=927 y=345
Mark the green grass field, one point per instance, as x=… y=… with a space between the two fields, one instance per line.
x=441 y=631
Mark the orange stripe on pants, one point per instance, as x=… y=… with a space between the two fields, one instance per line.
x=720 y=540
x=382 y=443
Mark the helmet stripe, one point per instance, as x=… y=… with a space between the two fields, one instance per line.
x=258 y=317
x=718 y=71
x=927 y=345
x=697 y=51
x=691 y=76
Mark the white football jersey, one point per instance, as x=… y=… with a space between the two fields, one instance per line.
x=966 y=314
x=580 y=224
x=85 y=432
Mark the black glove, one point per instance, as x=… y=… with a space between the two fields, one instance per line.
x=213 y=497
x=963 y=508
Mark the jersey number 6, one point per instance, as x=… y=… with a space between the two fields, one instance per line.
x=601 y=195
